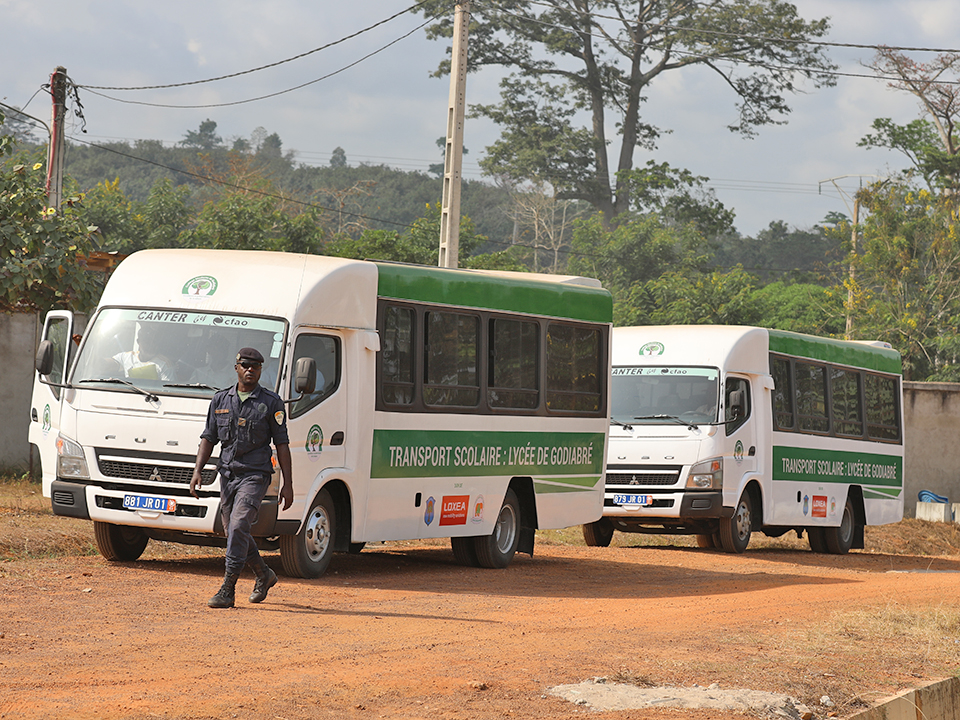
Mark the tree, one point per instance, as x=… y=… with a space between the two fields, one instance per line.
x=543 y=223
x=933 y=146
x=906 y=288
x=19 y=126
x=205 y=138
x=570 y=58
x=42 y=251
x=338 y=158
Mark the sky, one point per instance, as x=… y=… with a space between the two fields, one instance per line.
x=385 y=108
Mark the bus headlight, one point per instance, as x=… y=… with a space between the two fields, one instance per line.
x=70 y=460
x=706 y=475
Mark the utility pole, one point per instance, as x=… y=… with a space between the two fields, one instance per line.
x=453 y=150
x=58 y=91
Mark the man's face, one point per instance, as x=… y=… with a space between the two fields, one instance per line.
x=248 y=373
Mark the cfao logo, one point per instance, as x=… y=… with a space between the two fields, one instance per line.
x=652 y=348
x=200 y=287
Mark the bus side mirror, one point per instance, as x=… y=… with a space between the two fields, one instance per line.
x=44 y=360
x=305 y=378
x=735 y=402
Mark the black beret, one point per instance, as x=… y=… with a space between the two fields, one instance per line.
x=250 y=354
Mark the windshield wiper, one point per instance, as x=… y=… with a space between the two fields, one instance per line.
x=146 y=393
x=200 y=386
x=667 y=417
x=625 y=426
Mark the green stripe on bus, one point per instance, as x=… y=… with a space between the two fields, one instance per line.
x=880 y=493
x=475 y=290
x=543 y=487
x=837 y=466
x=466 y=453
x=839 y=352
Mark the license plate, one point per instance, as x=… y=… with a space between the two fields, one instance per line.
x=149 y=502
x=633 y=500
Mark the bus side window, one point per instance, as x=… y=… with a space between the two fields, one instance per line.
x=736 y=396
x=783 y=415
x=325 y=350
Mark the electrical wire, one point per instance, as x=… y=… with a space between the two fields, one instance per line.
x=270 y=95
x=263 y=67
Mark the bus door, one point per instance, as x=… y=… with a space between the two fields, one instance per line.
x=48 y=398
x=741 y=447
x=317 y=423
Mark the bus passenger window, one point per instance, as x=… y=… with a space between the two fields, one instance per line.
x=783 y=417
x=325 y=351
x=883 y=417
x=396 y=356
x=845 y=402
x=514 y=364
x=573 y=368
x=450 y=359
x=811 y=393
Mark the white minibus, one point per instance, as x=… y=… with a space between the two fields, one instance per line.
x=422 y=402
x=721 y=431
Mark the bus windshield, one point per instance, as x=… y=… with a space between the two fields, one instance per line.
x=664 y=395
x=178 y=352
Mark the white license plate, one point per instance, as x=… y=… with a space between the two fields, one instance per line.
x=643 y=500
x=149 y=502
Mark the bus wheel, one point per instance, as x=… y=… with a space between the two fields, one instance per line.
x=119 y=542
x=735 y=532
x=599 y=533
x=817 y=539
x=705 y=541
x=464 y=550
x=307 y=554
x=497 y=549
x=840 y=539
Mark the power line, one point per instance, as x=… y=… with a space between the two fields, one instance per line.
x=264 y=67
x=262 y=97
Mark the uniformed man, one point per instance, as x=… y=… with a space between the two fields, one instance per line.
x=244 y=419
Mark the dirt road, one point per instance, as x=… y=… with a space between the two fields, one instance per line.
x=404 y=632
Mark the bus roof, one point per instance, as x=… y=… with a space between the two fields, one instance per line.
x=742 y=348
x=337 y=292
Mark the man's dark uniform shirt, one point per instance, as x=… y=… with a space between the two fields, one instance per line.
x=244 y=430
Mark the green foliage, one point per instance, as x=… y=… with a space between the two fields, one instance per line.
x=799 y=307
x=41 y=251
x=715 y=298
x=781 y=252
x=906 y=288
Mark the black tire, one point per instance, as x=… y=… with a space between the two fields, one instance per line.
x=497 y=549
x=840 y=539
x=817 y=539
x=307 y=554
x=705 y=541
x=119 y=542
x=464 y=550
x=599 y=533
x=735 y=531
x=356 y=548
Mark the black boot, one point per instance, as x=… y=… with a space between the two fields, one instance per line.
x=225 y=595
x=266 y=579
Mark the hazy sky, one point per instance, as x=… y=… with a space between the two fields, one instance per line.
x=386 y=109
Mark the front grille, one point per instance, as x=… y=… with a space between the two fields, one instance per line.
x=153 y=473
x=643 y=478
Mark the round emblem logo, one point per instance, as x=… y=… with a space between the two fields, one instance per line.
x=738 y=451
x=314 y=444
x=428 y=513
x=200 y=286
x=652 y=348
x=47 y=420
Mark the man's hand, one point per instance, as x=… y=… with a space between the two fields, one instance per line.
x=195 y=482
x=286 y=495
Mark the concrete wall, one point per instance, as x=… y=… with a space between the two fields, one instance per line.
x=19 y=334
x=931 y=418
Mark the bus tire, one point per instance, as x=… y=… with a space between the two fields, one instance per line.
x=840 y=539
x=735 y=531
x=705 y=541
x=599 y=533
x=817 y=539
x=464 y=550
x=119 y=542
x=356 y=548
x=497 y=549
x=307 y=554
